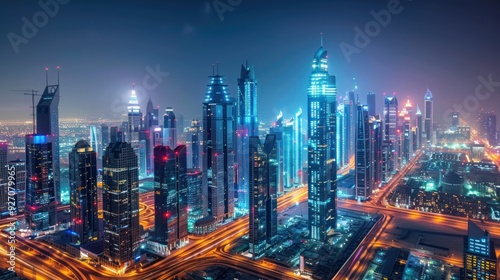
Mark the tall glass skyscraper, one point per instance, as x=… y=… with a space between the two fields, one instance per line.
x=104 y=139
x=363 y=162
x=47 y=123
x=297 y=148
x=41 y=204
x=194 y=139
x=372 y=104
x=419 y=128
x=390 y=132
x=83 y=193
x=428 y=117
x=134 y=124
x=376 y=138
x=219 y=133
x=322 y=169
x=120 y=204
x=170 y=198
x=169 y=128
x=263 y=215
x=247 y=126
x=277 y=129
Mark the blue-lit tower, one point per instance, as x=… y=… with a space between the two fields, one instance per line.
x=371 y=101
x=219 y=133
x=340 y=134
x=322 y=169
x=390 y=132
x=376 y=140
x=247 y=126
x=363 y=154
x=297 y=148
x=169 y=128
x=47 y=123
x=428 y=117
x=277 y=129
x=419 y=125
x=83 y=193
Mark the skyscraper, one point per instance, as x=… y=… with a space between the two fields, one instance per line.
x=351 y=125
x=169 y=128
x=322 y=169
x=420 y=128
x=194 y=197
x=489 y=127
x=170 y=198
x=263 y=219
x=113 y=135
x=20 y=180
x=428 y=117
x=363 y=153
x=194 y=138
x=120 y=204
x=372 y=104
x=94 y=141
x=40 y=210
x=345 y=132
x=47 y=123
x=104 y=139
x=134 y=125
x=390 y=116
x=288 y=153
x=277 y=129
x=480 y=261
x=454 y=120
x=376 y=138
x=219 y=124
x=297 y=148
x=83 y=193
x=150 y=118
x=247 y=126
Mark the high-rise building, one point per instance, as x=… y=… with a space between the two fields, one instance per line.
x=480 y=260
x=20 y=180
x=83 y=193
x=322 y=169
x=247 y=126
x=288 y=154
x=41 y=204
x=390 y=132
x=113 y=135
x=169 y=128
x=171 y=200
x=120 y=204
x=376 y=138
x=345 y=132
x=219 y=124
x=428 y=117
x=277 y=129
x=340 y=134
x=489 y=127
x=297 y=148
x=420 y=128
x=351 y=125
x=194 y=138
x=143 y=155
x=4 y=188
x=93 y=139
x=363 y=154
x=104 y=139
x=151 y=117
x=387 y=154
x=194 y=197
x=47 y=123
x=455 y=120
x=372 y=104
x=406 y=146
x=263 y=219
x=134 y=126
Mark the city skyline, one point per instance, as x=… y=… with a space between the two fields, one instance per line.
x=79 y=72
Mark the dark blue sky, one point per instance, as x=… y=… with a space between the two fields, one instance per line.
x=104 y=46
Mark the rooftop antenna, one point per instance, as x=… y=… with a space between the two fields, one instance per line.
x=321 y=39
x=46 y=76
x=33 y=94
x=57 y=75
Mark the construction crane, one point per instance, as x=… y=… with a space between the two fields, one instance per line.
x=33 y=93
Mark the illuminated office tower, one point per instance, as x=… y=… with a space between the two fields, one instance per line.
x=194 y=137
x=277 y=129
x=4 y=188
x=120 y=204
x=47 y=123
x=454 y=120
x=83 y=193
x=142 y=157
x=171 y=200
x=41 y=205
x=169 y=128
x=322 y=169
x=247 y=126
x=390 y=132
x=386 y=160
x=372 y=104
x=363 y=154
x=488 y=127
x=297 y=148
x=151 y=117
x=134 y=125
x=20 y=181
x=219 y=124
x=428 y=117
x=263 y=218
x=351 y=128
x=194 y=197
x=420 y=128
x=345 y=132
x=340 y=134
x=407 y=140
x=104 y=139
x=480 y=261
x=376 y=138
x=288 y=154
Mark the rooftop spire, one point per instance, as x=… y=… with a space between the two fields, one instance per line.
x=321 y=39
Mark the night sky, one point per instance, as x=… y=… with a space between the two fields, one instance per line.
x=103 y=48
